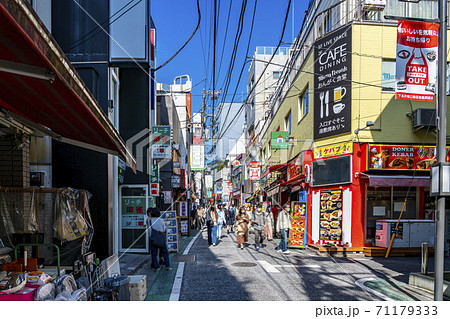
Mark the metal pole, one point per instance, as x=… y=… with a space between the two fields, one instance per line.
x=441 y=152
x=188 y=191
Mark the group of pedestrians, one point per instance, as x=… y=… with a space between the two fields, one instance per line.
x=262 y=224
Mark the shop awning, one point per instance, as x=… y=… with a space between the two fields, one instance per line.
x=273 y=168
x=40 y=87
x=399 y=180
x=294 y=181
x=273 y=191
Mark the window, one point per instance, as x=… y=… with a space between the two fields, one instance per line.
x=270 y=149
x=388 y=76
x=332 y=171
x=303 y=104
x=287 y=123
x=276 y=74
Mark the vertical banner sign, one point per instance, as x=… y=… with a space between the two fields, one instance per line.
x=161 y=147
x=298 y=218
x=208 y=181
x=197 y=157
x=332 y=84
x=255 y=171
x=416 y=62
x=331 y=215
x=154 y=189
x=183 y=209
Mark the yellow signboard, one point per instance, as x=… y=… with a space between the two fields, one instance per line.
x=333 y=150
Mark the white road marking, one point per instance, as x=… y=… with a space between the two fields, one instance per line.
x=267 y=267
x=299 y=266
x=176 y=288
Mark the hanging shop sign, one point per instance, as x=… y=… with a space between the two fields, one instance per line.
x=235 y=163
x=167 y=197
x=332 y=83
x=176 y=181
x=295 y=167
x=278 y=140
x=255 y=169
x=183 y=209
x=416 y=62
x=197 y=157
x=298 y=217
x=208 y=181
x=402 y=157
x=333 y=150
x=331 y=215
x=161 y=146
x=154 y=173
x=154 y=189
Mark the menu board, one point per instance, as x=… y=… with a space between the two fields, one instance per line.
x=298 y=231
x=170 y=219
x=331 y=215
x=184 y=227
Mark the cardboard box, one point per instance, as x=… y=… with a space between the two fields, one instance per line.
x=138 y=287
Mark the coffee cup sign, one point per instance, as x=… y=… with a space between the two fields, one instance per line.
x=338 y=107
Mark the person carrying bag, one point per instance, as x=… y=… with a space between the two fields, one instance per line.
x=158 y=239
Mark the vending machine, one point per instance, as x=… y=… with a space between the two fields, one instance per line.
x=297 y=236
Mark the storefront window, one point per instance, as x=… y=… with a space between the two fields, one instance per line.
x=386 y=202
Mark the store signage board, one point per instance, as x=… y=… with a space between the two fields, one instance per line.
x=154 y=173
x=255 y=171
x=170 y=219
x=183 y=209
x=331 y=215
x=154 y=189
x=333 y=150
x=295 y=167
x=208 y=181
x=298 y=232
x=402 y=157
x=167 y=197
x=197 y=157
x=416 y=62
x=184 y=227
x=332 y=84
x=133 y=212
x=278 y=140
x=161 y=144
x=176 y=181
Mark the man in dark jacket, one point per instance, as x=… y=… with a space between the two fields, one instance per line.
x=258 y=221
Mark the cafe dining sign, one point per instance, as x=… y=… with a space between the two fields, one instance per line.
x=332 y=84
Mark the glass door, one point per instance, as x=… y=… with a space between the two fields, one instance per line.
x=133 y=214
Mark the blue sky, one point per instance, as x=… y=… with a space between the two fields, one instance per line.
x=175 y=20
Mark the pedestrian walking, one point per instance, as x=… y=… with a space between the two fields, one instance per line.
x=220 y=220
x=211 y=223
x=283 y=226
x=242 y=228
x=198 y=220
x=259 y=220
x=230 y=216
x=268 y=227
x=158 y=238
x=248 y=211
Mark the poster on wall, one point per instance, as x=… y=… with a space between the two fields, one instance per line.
x=167 y=197
x=332 y=83
x=255 y=171
x=298 y=232
x=402 y=157
x=133 y=211
x=331 y=215
x=416 y=62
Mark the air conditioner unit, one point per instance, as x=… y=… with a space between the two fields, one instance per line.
x=422 y=118
x=374 y=5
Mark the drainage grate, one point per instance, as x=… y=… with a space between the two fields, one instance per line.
x=244 y=264
x=184 y=258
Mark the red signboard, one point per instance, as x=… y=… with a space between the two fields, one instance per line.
x=417 y=44
x=255 y=171
x=295 y=167
x=401 y=157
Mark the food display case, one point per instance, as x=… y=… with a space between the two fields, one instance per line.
x=297 y=238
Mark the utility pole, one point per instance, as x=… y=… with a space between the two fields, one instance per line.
x=441 y=150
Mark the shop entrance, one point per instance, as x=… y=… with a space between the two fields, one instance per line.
x=133 y=214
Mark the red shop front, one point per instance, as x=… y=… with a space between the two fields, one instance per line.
x=354 y=185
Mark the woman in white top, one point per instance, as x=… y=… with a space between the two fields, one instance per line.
x=220 y=220
x=156 y=223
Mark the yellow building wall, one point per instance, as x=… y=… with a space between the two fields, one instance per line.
x=371 y=43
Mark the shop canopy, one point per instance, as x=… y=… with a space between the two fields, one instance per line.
x=274 y=168
x=40 y=87
x=398 y=180
x=294 y=181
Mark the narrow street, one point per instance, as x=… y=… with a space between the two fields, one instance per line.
x=225 y=272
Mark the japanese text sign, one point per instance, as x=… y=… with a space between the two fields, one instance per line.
x=133 y=211
x=333 y=150
x=332 y=83
x=183 y=209
x=255 y=168
x=154 y=189
x=416 y=62
x=161 y=145
x=295 y=167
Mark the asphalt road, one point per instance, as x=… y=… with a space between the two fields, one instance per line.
x=225 y=272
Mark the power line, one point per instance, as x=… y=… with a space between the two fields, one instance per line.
x=187 y=41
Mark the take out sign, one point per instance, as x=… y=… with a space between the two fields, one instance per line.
x=402 y=157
